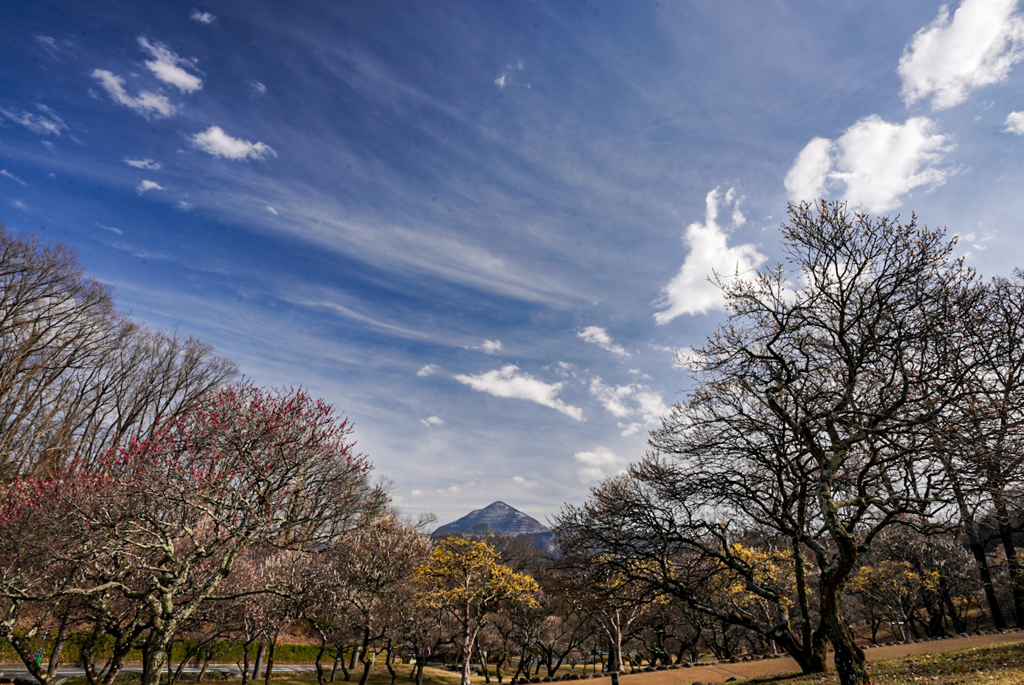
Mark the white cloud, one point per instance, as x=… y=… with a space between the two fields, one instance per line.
x=651 y=407
x=258 y=89
x=598 y=464
x=690 y=292
x=872 y=165
x=45 y=124
x=954 y=55
x=145 y=103
x=806 y=180
x=600 y=337
x=271 y=210
x=219 y=144
x=451 y=490
x=628 y=401
x=167 y=66
x=524 y=482
x=1015 y=123
x=428 y=370
x=118 y=231
x=143 y=164
x=202 y=17
x=509 y=381
x=490 y=346
x=416 y=493
x=613 y=399
x=432 y=421
x=149 y=185
x=7 y=174
x=184 y=206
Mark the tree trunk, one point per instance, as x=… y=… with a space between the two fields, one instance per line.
x=497 y=667
x=849 y=658
x=811 y=657
x=469 y=641
x=259 y=661
x=207 y=655
x=947 y=601
x=271 y=648
x=344 y=669
x=483 y=665
x=321 y=679
x=985 y=573
x=365 y=654
x=352 y=662
x=1013 y=565
x=420 y=663
x=387 y=664
x=154 y=656
x=58 y=647
x=245 y=662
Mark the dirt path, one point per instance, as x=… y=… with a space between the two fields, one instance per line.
x=719 y=673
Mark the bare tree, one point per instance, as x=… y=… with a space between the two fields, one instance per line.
x=75 y=375
x=849 y=353
x=982 y=439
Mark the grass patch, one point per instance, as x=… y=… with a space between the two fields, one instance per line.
x=995 y=665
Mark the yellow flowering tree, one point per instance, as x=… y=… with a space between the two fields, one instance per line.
x=893 y=586
x=466 y=579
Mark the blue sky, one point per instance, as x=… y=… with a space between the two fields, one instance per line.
x=482 y=230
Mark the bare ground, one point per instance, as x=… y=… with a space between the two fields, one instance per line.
x=744 y=670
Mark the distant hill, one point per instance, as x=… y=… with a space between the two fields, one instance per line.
x=502 y=519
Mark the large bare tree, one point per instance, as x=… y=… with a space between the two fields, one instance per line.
x=819 y=395
x=76 y=376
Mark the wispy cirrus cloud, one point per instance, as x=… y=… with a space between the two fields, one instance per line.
x=509 y=381
x=146 y=103
x=7 y=174
x=432 y=421
x=600 y=337
x=149 y=185
x=202 y=17
x=49 y=45
x=219 y=144
x=508 y=75
x=872 y=165
x=956 y=54
x=46 y=123
x=691 y=291
x=143 y=164
x=167 y=66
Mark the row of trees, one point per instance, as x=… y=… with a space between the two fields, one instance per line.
x=852 y=440
x=137 y=478
x=870 y=388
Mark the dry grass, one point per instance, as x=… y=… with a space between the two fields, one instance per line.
x=995 y=665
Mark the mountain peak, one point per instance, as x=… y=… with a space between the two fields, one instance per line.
x=496 y=517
